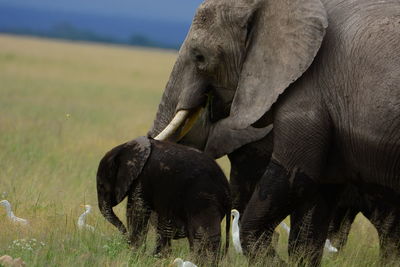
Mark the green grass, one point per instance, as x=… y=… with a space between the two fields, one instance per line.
x=62 y=106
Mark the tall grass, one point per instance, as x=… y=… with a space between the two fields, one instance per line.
x=62 y=106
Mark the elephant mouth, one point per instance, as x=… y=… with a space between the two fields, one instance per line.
x=184 y=120
x=200 y=128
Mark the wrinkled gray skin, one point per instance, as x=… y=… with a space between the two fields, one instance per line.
x=248 y=166
x=326 y=74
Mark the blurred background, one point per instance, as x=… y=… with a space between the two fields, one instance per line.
x=155 y=23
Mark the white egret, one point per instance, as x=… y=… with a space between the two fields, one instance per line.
x=10 y=213
x=285 y=227
x=82 y=218
x=235 y=231
x=328 y=244
x=329 y=247
x=180 y=263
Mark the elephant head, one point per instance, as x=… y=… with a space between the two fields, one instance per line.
x=237 y=58
x=118 y=169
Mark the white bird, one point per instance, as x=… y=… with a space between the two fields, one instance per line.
x=328 y=244
x=11 y=215
x=329 y=247
x=235 y=231
x=82 y=218
x=180 y=263
x=285 y=227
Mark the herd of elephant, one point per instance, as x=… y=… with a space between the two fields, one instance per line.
x=303 y=96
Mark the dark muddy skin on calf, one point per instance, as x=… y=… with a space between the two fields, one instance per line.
x=184 y=187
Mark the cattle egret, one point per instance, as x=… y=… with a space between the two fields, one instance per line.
x=285 y=227
x=180 y=263
x=329 y=247
x=10 y=213
x=82 y=218
x=328 y=244
x=235 y=231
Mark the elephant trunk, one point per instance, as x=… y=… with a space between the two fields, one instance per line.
x=183 y=98
x=108 y=213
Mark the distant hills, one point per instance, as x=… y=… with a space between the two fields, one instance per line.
x=88 y=27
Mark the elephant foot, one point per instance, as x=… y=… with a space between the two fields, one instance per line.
x=164 y=253
x=309 y=223
x=266 y=257
x=163 y=248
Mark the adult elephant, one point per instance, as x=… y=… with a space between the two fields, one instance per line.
x=331 y=92
x=248 y=166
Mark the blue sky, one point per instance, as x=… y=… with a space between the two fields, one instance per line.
x=173 y=10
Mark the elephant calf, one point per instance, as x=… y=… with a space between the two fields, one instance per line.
x=187 y=189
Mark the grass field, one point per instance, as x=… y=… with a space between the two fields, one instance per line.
x=62 y=106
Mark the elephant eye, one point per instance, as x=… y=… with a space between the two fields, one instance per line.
x=200 y=58
x=200 y=61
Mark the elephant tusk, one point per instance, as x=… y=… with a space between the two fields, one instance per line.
x=190 y=122
x=177 y=121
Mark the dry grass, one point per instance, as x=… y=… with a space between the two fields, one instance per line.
x=62 y=106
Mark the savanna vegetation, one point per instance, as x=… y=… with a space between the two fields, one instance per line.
x=62 y=106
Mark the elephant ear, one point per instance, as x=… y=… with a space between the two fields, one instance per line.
x=285 y=37
x=130 y=165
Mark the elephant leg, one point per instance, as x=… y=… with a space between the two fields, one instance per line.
x=389 y=246
x=309 y=229
x=164 y=236
x=138 y=214
x=268 y=206
x=277 y=195
x=302 y=144
x=310 y=220
x=242 y=189
x=387 y=222
x=204 y=233
x=248 y=164
x=340 y=225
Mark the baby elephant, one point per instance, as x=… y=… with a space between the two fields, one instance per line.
x=186 y=188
